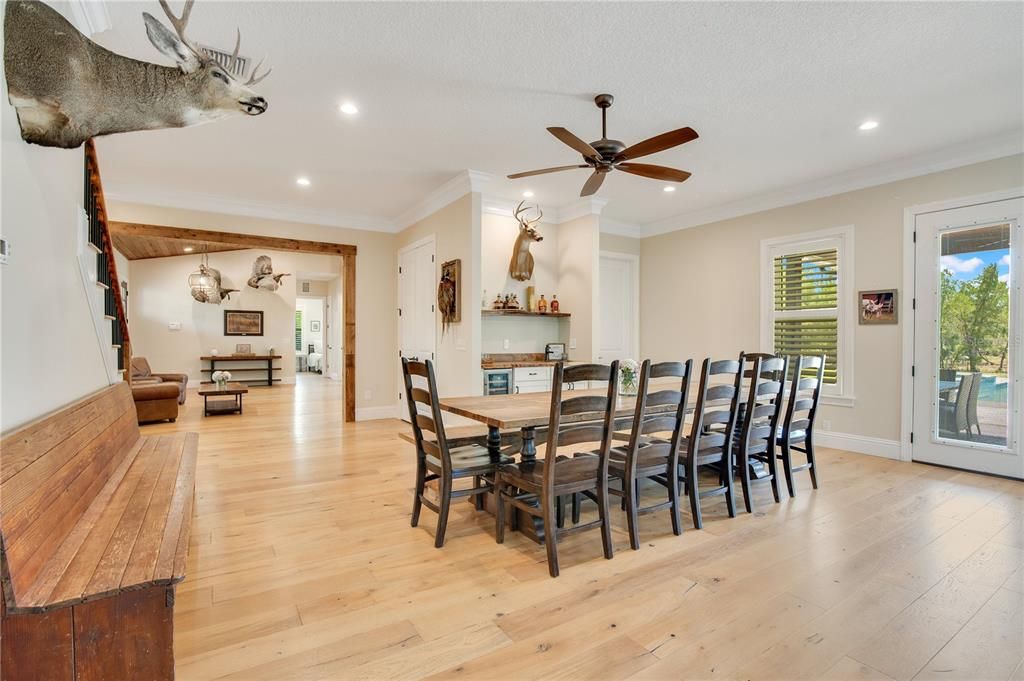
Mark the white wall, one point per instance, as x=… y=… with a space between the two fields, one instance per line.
x=701 y=286
x=49 y=352
x=160 y=295
x=579 y=283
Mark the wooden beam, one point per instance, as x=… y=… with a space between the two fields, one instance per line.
x=349 y=303
x=231 y=238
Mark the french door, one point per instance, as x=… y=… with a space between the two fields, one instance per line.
x=968 y=369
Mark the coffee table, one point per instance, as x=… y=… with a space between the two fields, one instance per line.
x=221 y=407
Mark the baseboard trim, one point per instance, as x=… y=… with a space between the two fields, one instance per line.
x=873 y=446
x=375 y=413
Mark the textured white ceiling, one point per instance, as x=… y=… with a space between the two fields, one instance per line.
x=776 y=91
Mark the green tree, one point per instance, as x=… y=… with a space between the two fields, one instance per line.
x=975 y=319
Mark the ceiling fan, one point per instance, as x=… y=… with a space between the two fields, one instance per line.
x=605 y=155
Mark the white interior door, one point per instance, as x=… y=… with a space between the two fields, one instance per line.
x=967 y=338
x=619 y=309
x=416 y=291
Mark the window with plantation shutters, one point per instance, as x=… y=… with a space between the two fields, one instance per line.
x=806 y=306
x=298 y=330
x=806 y=302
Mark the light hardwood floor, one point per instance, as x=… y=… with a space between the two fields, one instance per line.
x=303 y=566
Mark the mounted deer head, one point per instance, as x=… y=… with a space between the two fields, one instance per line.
x=520 y=267
x=67 y=88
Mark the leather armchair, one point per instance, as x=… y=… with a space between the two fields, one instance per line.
x=142 y=375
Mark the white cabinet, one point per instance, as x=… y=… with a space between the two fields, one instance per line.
x=532 y=379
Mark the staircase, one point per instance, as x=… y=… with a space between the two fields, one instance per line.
x=104 y=295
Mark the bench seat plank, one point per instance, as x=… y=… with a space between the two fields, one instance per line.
x=131 y=534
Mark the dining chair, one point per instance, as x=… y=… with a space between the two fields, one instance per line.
x=797 y=430
x=711 y=434
x=953 y=414
x=533 y=487
x=660 y=408
x=435 y=460
x=761 y=415
x=972 y=404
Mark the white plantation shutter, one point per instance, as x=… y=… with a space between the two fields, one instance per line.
x=805 y=295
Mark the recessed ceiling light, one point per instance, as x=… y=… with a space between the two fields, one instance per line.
x=302 y=181
x=668 y=189
x=349 y=108
x=527 y=194
x=868 y=125
x=188 y=249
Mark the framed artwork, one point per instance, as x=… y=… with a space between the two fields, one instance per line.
x=243 y=349
x=314 y=326
x=877 y=307
x=243 y=322
x=449 y=293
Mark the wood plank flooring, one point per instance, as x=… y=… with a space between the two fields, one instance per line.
x=303 y=567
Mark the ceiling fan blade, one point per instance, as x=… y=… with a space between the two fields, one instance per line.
x=575 y=142
x=546 y=170
x=593 y=184
x=666 y=140
x=655 y=172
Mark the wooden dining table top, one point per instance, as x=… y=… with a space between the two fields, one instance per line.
x=527 y=410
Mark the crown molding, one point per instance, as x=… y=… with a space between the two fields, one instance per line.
x=609 y=226
x=976 y=151
x=466 y=182
x=217 y=204
x=591 y=205
x=90 y=16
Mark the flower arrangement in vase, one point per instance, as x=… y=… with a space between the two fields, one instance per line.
x=221 y=378
x=629 y=377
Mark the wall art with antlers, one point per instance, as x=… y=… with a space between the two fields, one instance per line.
x=520 y=267
x=66 y=88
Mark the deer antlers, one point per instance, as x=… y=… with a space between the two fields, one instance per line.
x=520 y=210
x=180 y=23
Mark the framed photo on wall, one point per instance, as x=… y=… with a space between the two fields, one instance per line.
x=243 y=322
x=877 y=307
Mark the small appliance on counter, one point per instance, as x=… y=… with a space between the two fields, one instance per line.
x=554 y=352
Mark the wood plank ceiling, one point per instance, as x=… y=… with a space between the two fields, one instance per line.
x=136 y=247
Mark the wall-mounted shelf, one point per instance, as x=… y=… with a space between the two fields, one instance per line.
x=522 y=313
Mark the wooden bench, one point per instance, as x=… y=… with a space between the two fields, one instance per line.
x=94 y=533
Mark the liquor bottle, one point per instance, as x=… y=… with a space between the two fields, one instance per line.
x=554 y=304
x=542 y=305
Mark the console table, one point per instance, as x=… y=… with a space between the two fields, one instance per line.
x=265 y=362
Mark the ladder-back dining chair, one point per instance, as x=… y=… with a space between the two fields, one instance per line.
x=797 y=430
x=435 y=460
x=712 y=433
x=533 y=487
x=762 y=414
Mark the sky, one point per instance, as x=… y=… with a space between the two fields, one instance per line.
x=967 y=266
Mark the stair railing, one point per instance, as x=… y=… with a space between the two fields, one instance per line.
x=106 y=266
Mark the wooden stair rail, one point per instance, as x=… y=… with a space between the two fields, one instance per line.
x=106 y=265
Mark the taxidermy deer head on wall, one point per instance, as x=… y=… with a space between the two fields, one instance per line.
x=520 y=267
x=66 y=88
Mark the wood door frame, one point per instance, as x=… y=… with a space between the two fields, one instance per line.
x=347 y=253
x=907 y=315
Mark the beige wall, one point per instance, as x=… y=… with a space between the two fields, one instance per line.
x=159 y=296
x=376 y=344
x=620 y=244
x=49 y=351
x=578 y=285
x=702 y=285
x=456 y=231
